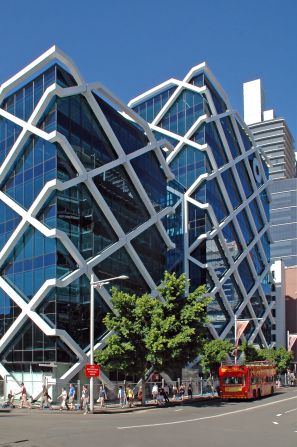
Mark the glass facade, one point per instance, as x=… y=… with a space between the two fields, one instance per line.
x=81 y=225
x=220 y=244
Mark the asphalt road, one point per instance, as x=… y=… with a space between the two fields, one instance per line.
x=270 y=422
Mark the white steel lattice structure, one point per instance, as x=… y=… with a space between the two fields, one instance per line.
x=224 y=209
x=95 y=169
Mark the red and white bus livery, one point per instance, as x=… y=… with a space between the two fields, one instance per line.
x=250 y=381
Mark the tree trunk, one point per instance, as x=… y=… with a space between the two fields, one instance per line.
x=143 y=384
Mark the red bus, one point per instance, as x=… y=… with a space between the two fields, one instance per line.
x=250 y=381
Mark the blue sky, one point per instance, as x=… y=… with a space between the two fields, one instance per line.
x=133 y=45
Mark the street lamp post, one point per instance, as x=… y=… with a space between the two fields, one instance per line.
x=235 y=332
x=94 y=284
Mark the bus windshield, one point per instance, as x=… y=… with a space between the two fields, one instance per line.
x=233 y=380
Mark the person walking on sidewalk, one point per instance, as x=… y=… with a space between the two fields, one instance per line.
x=155 y=392
x=130 y=396
x=85 y=399
x=190 y=391
x=44 y=398
x=71 y=394
x=23 y=393
x=102 y=396
x=121 y=396
x=64 y=397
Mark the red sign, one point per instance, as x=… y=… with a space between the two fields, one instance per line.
x=92 y=370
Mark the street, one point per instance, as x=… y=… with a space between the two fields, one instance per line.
x=270 y=422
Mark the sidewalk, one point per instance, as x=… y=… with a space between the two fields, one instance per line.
x=115 y=408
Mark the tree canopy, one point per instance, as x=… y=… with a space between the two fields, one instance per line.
x=155 y=332
x=214 y=353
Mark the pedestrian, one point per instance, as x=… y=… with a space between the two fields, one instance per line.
x=85 y=399
x=182 y=390
x=64 y=397
x=130 y=396
x=23 y=393
x=71 y=394
x=102 y=396
x=121 y=396
x=44 y=398
x=155 y=392
x=164 y=395
x=174 y=391
x=190 y=391
x=139 y=394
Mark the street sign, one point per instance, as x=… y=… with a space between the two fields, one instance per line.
x=92 y=370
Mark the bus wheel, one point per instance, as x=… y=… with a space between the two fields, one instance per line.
x=272 y=390
x=259 y=394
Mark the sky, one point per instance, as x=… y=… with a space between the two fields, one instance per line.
x=130 y=46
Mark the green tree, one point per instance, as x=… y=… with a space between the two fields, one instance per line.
x=281 y=358
x=214 y=353
x=149 y=332
x=250 y=352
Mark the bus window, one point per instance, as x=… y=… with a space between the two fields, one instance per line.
x=233 y=380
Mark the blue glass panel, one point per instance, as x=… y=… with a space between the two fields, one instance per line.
x=174 y=226
x=266 y=246
x=162 y=136
x=9 y=311
x=198 y=80
x=230 y=136
x=22 y=101
x=215 y=257
x=257 y=259
x=246 y=275
x=232 y=240
x=81 y=219
x=69 y=309
x=152 y=251
x=189 y=164
x=149 y=109
x=256 y=214
x=197 y=275
x=232 y=293
x=245 y=138
x=198 y=222
x=183 y=113
x=218 y=314
x=245 y=226
x=245 y=178
x=215 y=199
x=28 y=256
x=120 y=263
x=217 y=99
x=9 y=220
x=257 y=303
x=152 y=177
x=213 y=139
x=8 y=135
x=31 y=163
x=122 y=197
x=78 y=123
x=130 y=136
x=231 y=188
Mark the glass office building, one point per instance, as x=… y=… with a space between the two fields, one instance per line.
x=221 y=225
x=82 y=191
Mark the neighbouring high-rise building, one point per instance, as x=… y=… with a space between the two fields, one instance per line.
x=270 y=133
x=221 y=225
x=82 y=191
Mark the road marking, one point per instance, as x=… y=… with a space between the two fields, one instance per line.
x=276 y=423
x=180 y=409
x=207 y=417
x=280 y=414
x=289 y=411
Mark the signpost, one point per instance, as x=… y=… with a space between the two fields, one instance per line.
x=92 y=370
